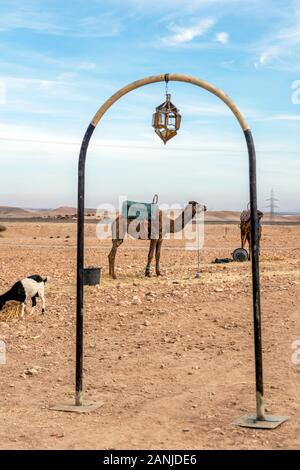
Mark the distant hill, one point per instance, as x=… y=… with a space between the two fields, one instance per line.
x=235 y=215
x=20 y=213
x=62 y=211
x=222 y=215
x=9 y=212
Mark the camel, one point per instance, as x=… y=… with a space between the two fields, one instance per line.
x=245 y=227
x=155 y=231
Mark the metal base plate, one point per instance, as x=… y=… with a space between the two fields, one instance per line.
x=87 y=407
x=270 y=422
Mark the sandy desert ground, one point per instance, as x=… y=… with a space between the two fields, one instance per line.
x=170 y=357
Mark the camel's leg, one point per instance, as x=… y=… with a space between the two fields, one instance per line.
x=157 y=256
x=246 y=237
x=150 y=256
x=250 y=246
x=243 y=237
x=112 y=257
x=259 y=239
x=244 y=240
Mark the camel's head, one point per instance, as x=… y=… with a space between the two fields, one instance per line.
x=196 y=207
x=260 y=215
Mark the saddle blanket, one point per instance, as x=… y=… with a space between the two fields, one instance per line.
x=139 y=210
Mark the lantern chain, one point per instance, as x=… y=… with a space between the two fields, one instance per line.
x=167 y=82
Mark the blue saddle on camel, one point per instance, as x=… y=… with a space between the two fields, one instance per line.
x=140 y=210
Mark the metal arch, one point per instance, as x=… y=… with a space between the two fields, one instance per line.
x=175 y=77
x=260 y=414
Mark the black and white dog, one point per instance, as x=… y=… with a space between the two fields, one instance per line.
x=29 y=288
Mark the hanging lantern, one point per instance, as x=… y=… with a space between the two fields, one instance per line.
x=166 y=119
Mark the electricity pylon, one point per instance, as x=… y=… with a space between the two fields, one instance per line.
x=272 y=206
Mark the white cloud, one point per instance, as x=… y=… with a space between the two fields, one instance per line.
x=22 y=20
x=281 y=117
x=183 y=35
x=190 y=6
x=206 y=110
x=105 y=25
x=30 y=16
x=40 y=96
x=22 y=83
x=270 y=54
x=66 y=76
x=280 y=50
x=21 y=87
x=222 y=37
x=36 y=140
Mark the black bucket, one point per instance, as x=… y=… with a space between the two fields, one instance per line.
x=240 y=255
x=91 y=276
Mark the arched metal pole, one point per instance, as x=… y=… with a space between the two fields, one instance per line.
x=80 y=264
x=260 y=413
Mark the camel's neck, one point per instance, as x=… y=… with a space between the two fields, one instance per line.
x=184 y=218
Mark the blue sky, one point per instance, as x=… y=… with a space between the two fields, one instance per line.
x=59 y=61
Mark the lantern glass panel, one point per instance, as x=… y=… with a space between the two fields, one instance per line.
x=172 y=120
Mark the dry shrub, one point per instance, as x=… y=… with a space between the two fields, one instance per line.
x=10 y=311
x=2 y=228
x=272 y=257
